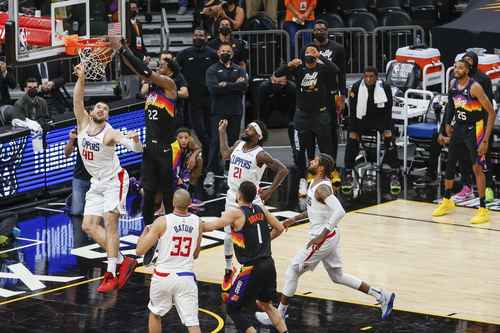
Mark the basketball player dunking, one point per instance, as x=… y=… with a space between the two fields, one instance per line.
x=108 y=183
x=324 y=212
x=248 y=161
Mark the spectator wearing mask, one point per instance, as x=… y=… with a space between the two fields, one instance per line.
x=7 y=81
x=275 y=101
x=312 y=119
x=194 y=62
x=227 y=83
x=334 y=52
x=129 y=82
x=240 y=51
x=32 y=113
x=370 y=104
x=270 y=8
x=299 y=15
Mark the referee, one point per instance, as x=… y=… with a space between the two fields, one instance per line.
x=157 y=172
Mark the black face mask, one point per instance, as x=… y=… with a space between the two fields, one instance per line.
x=225 y=31
x=278 y=88
x=321 y=36
x=199 y=42
x=32 y=92
x=309 y=59
x=226 y=57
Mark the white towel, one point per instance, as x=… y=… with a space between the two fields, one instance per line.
x=379 y=97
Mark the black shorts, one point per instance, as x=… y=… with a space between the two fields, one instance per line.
x=254 y=282
x=156 y=171
x=466 y=138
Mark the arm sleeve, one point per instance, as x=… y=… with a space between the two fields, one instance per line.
x=338 y=211
x=448 y=115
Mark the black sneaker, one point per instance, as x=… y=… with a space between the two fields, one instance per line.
x=395 y=185
x=348 y=184
x=425 y=180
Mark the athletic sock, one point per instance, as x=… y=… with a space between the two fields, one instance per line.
x=482 y=202
x=120 y=258
x=375 y=292
x=229 y=262
x=282 y=309
x=447 y=194
x=112 y=265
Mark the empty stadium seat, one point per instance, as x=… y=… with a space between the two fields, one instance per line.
x=418 y=4
x=424 y=13
x=395 y=18
x=333 y=20
x=351 y=6
x=364 y=20
x=385 y=5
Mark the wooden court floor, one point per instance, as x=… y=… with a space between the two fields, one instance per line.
x=437 y=266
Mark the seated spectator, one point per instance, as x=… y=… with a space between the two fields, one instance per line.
x=239 y=48
x=32 y=113
x=299 y=15
x=270 y=8
x=228 y=10
x=7 y=81
x=187 y=160
x=370 y=104
x=275 y=101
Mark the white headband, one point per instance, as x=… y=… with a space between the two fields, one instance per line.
x=257 y=129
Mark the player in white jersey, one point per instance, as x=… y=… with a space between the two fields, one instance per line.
x=108 y=184
x=173 y=283
x=247 y=162
x=324 y=212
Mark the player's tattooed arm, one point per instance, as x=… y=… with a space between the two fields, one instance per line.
x=279 y=169
x=291 y=221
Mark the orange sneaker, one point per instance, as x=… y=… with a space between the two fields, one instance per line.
x=108 y=284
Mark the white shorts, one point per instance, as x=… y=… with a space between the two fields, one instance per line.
x=107 y=195
x=231 y=203
x=180 y=291
x=328 y=253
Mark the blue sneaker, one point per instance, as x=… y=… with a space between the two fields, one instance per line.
x=386 y=302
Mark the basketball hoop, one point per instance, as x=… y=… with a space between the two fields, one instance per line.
x=95 y=54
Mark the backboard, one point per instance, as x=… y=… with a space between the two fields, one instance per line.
x=42 y=24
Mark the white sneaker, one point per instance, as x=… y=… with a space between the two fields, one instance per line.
x=263 y=318
x=303 y=187
x=386 y=302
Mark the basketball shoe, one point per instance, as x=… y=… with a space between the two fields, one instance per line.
x=386 y=302
x=482 y=216
x=108 y=284
x=446 y=206
x=125 y=271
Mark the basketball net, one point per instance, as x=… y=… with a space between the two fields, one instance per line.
x=95 y=59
